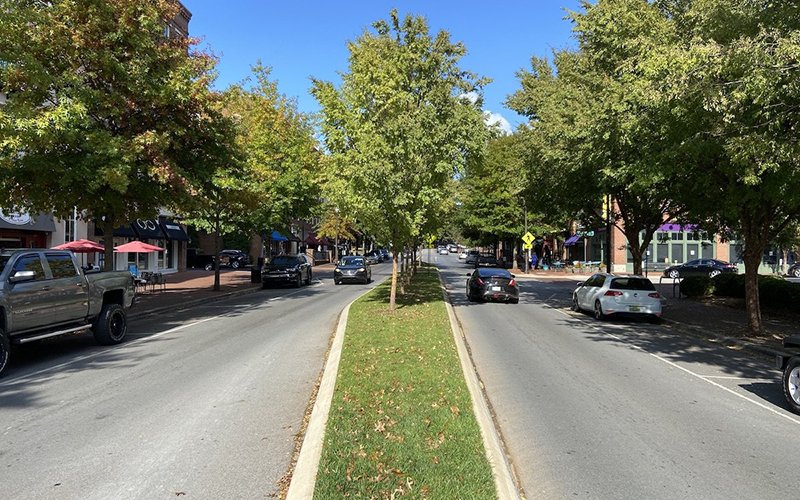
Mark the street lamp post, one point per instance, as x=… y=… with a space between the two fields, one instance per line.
x=527 y=250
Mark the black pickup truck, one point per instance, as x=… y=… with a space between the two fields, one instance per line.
x=44 y=293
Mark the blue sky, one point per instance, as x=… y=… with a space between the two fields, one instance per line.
x=300 y=39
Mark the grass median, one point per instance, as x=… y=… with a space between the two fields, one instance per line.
x=401 y=421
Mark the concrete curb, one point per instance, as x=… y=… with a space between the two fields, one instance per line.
x=501 y=469
x=304 y=476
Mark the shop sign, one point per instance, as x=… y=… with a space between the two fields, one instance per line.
x=16 y=218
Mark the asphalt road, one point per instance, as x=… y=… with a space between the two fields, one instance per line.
x=199 y=403
x=624 y=409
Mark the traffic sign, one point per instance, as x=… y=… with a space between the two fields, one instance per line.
x=527 y=246
x=527 y=238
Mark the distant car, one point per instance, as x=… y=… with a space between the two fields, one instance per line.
x=352 y=268
x=287 y=269
x=371 y=259
x=377 y=255
x=486 y=261
x=472 y=256
x=452 y=248
x=444 y=251
x=492 y=284
x=610 y=295
x=700 y=267
x=462 y=255
x=384 y=254
x=794 y=270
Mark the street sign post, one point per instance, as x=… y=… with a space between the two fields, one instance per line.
x=528 y=239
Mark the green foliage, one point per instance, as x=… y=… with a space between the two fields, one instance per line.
x=729 y=285
x=777 y=293
x=103 y=113
x=697 y=286
x=399 y=128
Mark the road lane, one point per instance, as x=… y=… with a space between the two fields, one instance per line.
x=624 y=409
x=204 y=402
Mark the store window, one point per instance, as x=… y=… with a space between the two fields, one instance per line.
x=69 y=226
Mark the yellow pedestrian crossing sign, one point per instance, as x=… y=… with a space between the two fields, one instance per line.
x=528 y=239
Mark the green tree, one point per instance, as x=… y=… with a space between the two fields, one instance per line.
x=399 y=127
x=596 y=132
x=104 y=113
x=730 y=83
x=337 y=226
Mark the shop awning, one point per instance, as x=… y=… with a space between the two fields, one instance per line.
x=148 y=229
x=173 y=230
x=572 y=240
x=276 y=236
x=675 y=228
x=25 y=222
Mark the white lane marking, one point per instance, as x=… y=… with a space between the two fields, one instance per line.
x=749 y=379
x=693 y=374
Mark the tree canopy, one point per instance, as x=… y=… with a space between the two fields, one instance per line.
x=400 y=126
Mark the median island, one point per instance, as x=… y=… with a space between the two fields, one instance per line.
x=401 y=420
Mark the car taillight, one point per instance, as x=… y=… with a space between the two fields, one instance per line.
x=612 y=293
x=654 y=295
x=479 y=281
x=512 y=283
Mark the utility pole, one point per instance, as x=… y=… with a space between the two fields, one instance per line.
x=608 y=233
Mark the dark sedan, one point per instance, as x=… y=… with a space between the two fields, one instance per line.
x=487 y=283
x=700 y=267
x=287 y=269
x=352 y=268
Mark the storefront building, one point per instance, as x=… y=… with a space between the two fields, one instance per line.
x=162 y=232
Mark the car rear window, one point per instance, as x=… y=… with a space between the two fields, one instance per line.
x=489 y=272
x=632 y=284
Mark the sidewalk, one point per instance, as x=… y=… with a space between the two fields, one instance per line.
x=717 y=318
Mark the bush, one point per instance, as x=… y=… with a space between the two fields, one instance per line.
x=729 y=285
x=777 y=293
x=697 y=286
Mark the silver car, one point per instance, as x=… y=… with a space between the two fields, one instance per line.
x=610 y=295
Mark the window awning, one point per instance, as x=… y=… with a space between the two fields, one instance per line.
x=173 y=230
x=148 y=229
x=572 y=240
x=276 y=236
x=674 y=228
x=26 y=222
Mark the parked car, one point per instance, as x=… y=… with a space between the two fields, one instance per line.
x=45 y=293
x=376 y=255
x=790 y=365
x=794 y=270
x=287 y=269
x=233 y=259
x=472 y=256
x=443 y=251
x=492 y=284
x=352 y=268
x=385 y=254
x=462 y=255
x=700 y=267
x=452 y=248
x=370 y=258
x=610 y=295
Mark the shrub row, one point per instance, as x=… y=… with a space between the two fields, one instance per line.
x=773 y=291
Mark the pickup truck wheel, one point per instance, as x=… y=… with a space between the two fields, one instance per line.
x=111 y=326
x=791 y=384
x=4 y=350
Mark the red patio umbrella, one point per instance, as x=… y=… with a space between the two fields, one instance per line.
x=81 y=246
x=137 y=247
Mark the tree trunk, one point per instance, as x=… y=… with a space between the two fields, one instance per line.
x=336 y=250
x=752 y=259
x=393 y=292
x=217 y=250
x=402 y=273
x=108 y=239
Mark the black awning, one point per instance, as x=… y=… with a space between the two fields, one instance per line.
x=173 y=230
x=125 y=231
x=148 y=229
x=25 y=222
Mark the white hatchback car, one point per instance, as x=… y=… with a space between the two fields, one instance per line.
x=607 y=294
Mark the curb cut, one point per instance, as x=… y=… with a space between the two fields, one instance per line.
x=492 y=444
x=304 y=477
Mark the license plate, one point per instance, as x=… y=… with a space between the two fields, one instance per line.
x=633 y=308
x=497 y=289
